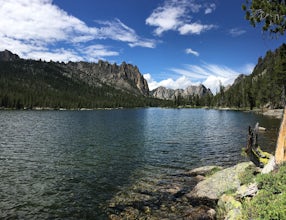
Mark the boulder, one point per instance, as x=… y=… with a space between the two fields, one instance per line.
x=229 y=208
x=219 y=183
x=247 y=190
x=203 y=171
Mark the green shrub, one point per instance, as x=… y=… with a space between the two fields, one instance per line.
x=248 y=176
x=270 y=202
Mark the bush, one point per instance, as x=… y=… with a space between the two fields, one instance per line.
x=270 y=202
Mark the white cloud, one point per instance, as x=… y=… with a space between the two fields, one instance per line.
x=181 y=82
x=247 y=68
x=191 y=51
x=98 y=51
x=39 y=20
x=175 y=15
x=118 y=31
x=210 y=75
x=167 y=17
x=235 y=32
x=194 y=28
x=35 y=27
x=62 y=55
x=210 y=8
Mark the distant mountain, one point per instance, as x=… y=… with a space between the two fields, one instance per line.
x=31 y=83
x=171 y=94
x=265 y=87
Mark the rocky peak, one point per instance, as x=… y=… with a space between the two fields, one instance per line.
x=171 y=94
x=163 y=93
x=7 y=55
x=124 y=77
x=199 y=90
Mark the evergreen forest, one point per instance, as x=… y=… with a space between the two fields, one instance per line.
x=29 y=84
x=265 y=87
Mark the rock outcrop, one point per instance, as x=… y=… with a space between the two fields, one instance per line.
x=219 y=183
x=124 y=77
x=171 y=94
x=6 y=55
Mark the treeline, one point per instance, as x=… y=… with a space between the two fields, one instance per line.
x=265 y=87
x=194 y=101
x=30 y=84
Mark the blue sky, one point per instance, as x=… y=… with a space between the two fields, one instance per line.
x=174 y=43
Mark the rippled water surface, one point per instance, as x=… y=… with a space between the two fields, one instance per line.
x=68 y=164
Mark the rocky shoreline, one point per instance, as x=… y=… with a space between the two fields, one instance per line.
x=276 y=113
x=194 y=194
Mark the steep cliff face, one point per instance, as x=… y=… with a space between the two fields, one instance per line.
x=171 y=94
x=124 y=77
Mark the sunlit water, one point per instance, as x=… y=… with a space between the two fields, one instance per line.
x=68 y=164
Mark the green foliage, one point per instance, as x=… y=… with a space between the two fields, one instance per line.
x=270 y=202
x=248 y=176
x=271 y=13
x=266 y=84
x=212 y=171
x=194 y=101
x=30 y=84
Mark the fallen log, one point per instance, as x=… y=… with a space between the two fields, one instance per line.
x=254 y=152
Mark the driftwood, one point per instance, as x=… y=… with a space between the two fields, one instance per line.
x=255 y=154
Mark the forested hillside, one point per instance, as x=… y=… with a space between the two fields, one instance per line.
x=30 y=84
x=265 y=87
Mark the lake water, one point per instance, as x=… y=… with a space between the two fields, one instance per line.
x=69 y=164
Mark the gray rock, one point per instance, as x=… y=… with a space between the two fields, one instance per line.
x=171 y=94
x=229 y=208
x=124 y=77
x=219 y=183
x=6 y=56
x=247 y=190
x=203 y=171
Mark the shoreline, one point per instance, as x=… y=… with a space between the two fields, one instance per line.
x=276 y=113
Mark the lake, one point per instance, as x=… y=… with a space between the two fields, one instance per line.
x=70 y=164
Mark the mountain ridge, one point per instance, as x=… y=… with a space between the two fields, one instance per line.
x=171 y=94
x=123 y=77
x=27 y=83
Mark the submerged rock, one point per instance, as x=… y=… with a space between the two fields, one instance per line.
x=204 y=171
x=188 y=195
x=201 y=212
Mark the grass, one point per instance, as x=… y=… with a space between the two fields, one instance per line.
x=270 y=202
